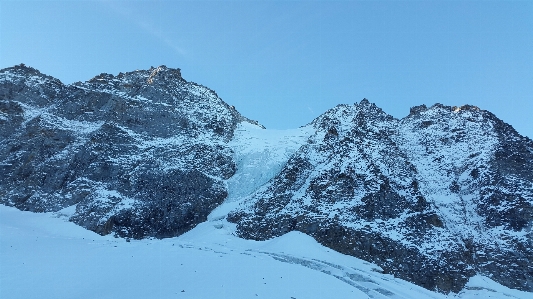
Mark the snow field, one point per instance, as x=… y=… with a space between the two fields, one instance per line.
x=45 y=256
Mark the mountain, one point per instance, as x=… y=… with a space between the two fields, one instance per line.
x=435 y=198
x=142 y=154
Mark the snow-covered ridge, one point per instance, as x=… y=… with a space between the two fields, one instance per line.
x=438 y=198
x=117 y=148
x=446 y=147
x=435 y=198
x=32 y=77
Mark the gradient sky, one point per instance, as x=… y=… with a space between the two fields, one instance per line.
x=284 y=63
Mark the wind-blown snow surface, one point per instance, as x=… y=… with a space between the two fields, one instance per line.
x=44 y=255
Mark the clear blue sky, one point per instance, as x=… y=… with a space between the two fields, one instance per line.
x=284 y=63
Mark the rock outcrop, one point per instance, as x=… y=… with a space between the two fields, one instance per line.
x=434 y=198
x=141 y=154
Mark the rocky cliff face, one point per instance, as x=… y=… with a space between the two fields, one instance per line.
x=142 y=154
x=433 y=198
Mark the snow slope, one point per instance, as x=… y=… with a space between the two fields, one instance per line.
x=259 y=155
x=45 y=256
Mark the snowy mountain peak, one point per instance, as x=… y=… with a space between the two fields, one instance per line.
x=436 y=198
x=32 y=78
x=427 y=197
x=24 y=71
x=160 y=73
x=135 y=159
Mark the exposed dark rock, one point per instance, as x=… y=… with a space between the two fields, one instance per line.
x=427 y=198
x=141 y=154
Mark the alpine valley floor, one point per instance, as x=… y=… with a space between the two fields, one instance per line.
x=46 y=256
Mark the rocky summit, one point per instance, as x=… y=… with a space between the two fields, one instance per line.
x=141 y=154
x=434 y=198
